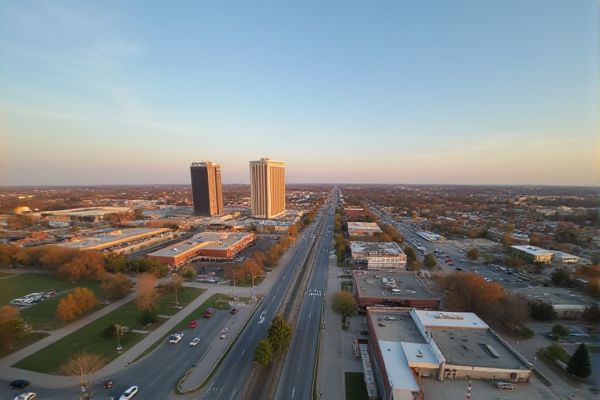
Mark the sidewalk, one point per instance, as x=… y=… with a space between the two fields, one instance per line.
x=330 y=377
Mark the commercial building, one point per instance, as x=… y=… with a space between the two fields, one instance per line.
x=355 y=212
x=560 y=257
x=120 y=240
x=206 y=188
x=533 y=254
x=216 y=246
x=363 y=228
x=88 y=214
x=267 y=188
x=409 y=344
x=567 y=303
x=430 y=236
x=378 y=255
x=393 y=289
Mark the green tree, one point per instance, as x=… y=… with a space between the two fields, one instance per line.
x=561 y=277
x=473 y=253
x=411 y=256
x=189 y=273
x=115 y=263
x=580 y=364
x=280 y=333
x=429 y=260
x=560 y=331
x=592 y=314
x=263 y=354
x=344 y=304
x=556 y=352
x=542 y=311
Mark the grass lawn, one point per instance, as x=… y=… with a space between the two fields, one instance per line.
x=166 y=303
x=90 y=339
x=25 y=341
x=22 y=284
x=5 y=274
x=355 y=386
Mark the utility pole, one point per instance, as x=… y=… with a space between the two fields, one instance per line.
x=234 y=289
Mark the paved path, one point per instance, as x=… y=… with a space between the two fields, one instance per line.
x=330 y=378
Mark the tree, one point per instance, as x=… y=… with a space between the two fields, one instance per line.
x=556 y=352
x=592 y=314
x=411 y=256
x=542 y=311
x=561 y=277
x=430 y=261
x=473 y=253
x=263 y=354
x=12 y=327
x=280 y=333
x=79 y=301
x=87 y=265
x=470 y=292
x=146 y=292
x=560 y=331
x=82 y=365
x=176 y=284
x=580 y=364
x=116 y=263
x=344 y=304
x=189 y=273
x=116 y=286
x=155 y=267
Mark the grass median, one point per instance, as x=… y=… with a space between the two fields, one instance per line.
x=90 y=338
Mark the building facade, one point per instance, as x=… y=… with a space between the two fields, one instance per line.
x=267 y=188
x=378 y=255
x=206 y=188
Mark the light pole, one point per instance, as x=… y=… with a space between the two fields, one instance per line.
x=118 y=331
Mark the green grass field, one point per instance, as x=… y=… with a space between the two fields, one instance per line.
x=5 y=274
x=22 y=284
x=25 y=341
x=355 y=386
x=166 y=303
x=90 y=339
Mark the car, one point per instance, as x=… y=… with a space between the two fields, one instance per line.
x=458 y=269
x=193 y=324
x=209 y=313
x=175 y=338
x=234 y=311
x=129 y=393
x=195 y=342
x=19 y=384
x=26 y=396
x=505 y=386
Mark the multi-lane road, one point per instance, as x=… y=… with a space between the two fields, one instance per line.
x=297 y=376
x=232 y=373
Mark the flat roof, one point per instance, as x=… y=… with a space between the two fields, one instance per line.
x=204 y=240
x=87 y=211
x=113 y=237
x=400 y=375
x=390 y=285
x=533 y=250
x=447 y=319
x=474 y=347
x=555 y=295
x=377 y=248
x=364 y=225
x=395 y=325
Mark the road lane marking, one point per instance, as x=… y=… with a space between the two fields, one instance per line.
x=293 y=392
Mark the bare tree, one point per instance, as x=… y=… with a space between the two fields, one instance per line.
x=83 y=365
x=146 y=292
x=176 y=283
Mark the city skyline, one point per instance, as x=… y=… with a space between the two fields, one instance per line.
x=463 y=92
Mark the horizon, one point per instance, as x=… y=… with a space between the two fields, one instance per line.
x=463 y=93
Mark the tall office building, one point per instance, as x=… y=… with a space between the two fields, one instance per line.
x=267 y=188
x=206 y=188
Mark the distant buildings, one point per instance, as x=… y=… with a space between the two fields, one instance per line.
x=430 y=236
x=88 y=214
x=267 y=188
x=378 y=255
x=533 y=254
x=363 y=228
x=567 y=303
x=217 y=246
x=408 y=344
x=120 y=240
x=206 y=188
x=397 y=289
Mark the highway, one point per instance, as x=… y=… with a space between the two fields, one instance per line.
x=232 y=373
x=297 y=376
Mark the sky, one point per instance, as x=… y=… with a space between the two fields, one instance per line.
x=398 y=91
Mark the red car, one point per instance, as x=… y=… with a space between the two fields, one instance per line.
x=208 y=313
x=193 y=324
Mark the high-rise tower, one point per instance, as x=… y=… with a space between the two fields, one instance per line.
x=267 y=188
x=206 y=188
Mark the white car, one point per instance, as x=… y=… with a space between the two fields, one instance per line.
x=26 y=396
x=175 y=338
x=195 y=342
x=129 y=393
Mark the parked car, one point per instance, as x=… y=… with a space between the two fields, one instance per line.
x=175 y=338
x=26 y=396
x=129 y=393
x=195 y=342
x=234 y=311
x=505 y=386
x=19 y=384
x=209 y=313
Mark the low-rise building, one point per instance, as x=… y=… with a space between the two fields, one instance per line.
x=378 y=255
x=408 y=344
x=560 y=257
x=566 y=302
x=89 y=214
x=397 y=289
x=216 y=246
x=120 y=241
x=533 y=254
x=430 y=236
x=363 y=228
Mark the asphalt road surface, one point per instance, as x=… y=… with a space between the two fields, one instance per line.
x=236 y=366
x=297 y=377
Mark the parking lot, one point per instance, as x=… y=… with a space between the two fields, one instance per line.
x=32 y=298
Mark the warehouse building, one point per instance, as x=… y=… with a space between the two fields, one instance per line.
x=363 y=228
x=378 y=255
x=409 y=344
x=533 y=254
x=215 y=246
x=566 y=302
x=120 y=240
x=394 y=289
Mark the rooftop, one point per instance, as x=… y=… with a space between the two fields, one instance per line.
x=204 y=240
x=88 y=211
x=453 y=320
x=376 y=248
x=389 y=285
x=106 y=239
x=555 y=295
x=395 y=325
x=533 y=250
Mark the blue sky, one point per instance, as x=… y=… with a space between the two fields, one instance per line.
x=397 y=91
